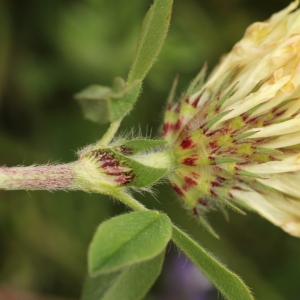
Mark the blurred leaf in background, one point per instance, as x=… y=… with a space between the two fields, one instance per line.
x=50 y=50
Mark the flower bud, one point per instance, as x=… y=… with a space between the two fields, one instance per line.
x=100 y=170
x=123 y=164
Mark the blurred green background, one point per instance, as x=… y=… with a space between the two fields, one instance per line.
x=49 y=50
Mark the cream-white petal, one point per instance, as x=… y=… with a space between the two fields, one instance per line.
x=278 y=99
x=265 y=93
x=283 y=141
x=261 y=69
x=293 y=108
x=289 y=164
x=279 y=16
x=282 y=128
x=279 y=210
x=287 y=183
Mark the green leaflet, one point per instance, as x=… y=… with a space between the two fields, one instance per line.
x=123 y=284
x=126 y=240
x=153 y=34
x=228 y=283
x=102 y=104
x=94 y=103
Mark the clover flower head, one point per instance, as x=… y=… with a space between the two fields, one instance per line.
x=236 y=136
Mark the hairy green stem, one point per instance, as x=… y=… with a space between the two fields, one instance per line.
x=45 y=177
x=129 y=201
x=110 y=133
